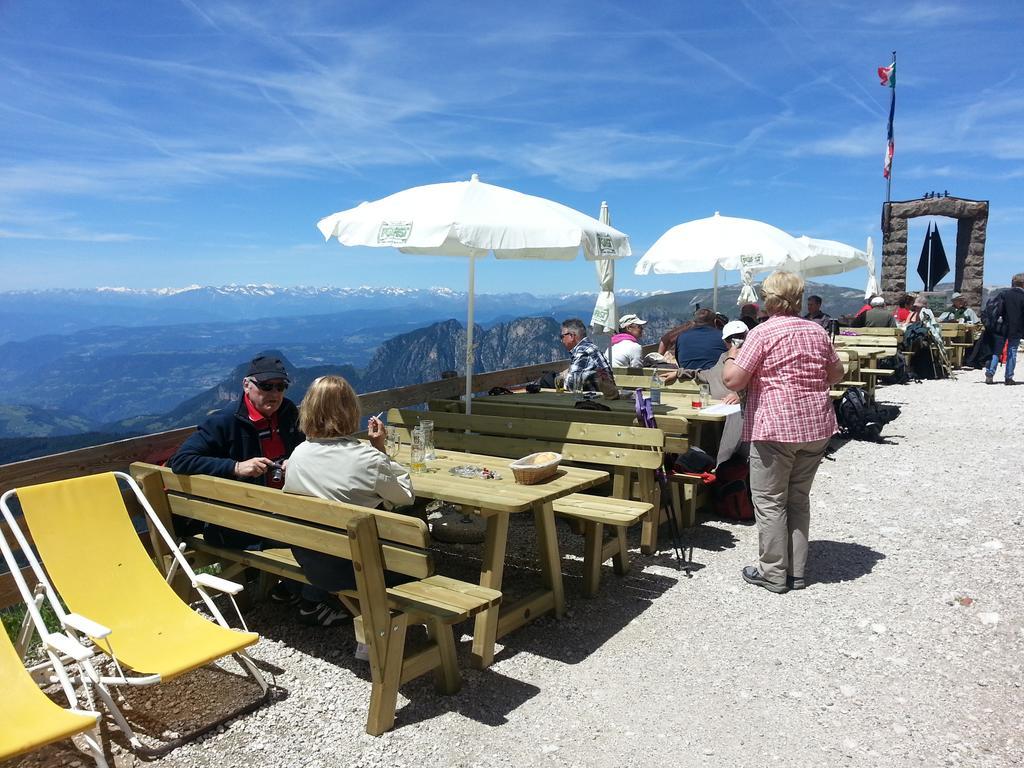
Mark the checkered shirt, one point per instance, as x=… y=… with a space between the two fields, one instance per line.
x=787 y=398
x=586 y=366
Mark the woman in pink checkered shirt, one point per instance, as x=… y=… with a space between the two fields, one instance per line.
x=786 y=366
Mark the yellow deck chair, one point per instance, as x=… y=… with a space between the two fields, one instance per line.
x=95 y=562
x=29 y=719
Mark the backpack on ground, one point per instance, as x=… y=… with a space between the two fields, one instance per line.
x=898 y=364
x=731 y=491
x=993 y=315
x=860 y=421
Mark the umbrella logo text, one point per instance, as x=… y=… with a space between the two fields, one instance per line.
x=751 y=260
x=394 y=232
x=606 y=247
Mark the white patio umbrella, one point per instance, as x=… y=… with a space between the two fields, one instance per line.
x=872 y=287
x=605 y=318
x=826 y=257
x=721 y=242
x=471 y=218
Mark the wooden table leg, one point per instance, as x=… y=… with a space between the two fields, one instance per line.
x=492 y=569
x=547 y=551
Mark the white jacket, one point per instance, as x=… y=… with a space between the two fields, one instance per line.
x=345 y=469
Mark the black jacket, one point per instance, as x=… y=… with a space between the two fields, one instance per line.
x=1013 y=301
x=229 y=436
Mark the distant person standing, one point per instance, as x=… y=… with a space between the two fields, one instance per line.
x=814 y=313
x=786 y=365
x=1011 y=331
x=879 y=316
x=588 y=369
x=626 y=351
x=700 y=347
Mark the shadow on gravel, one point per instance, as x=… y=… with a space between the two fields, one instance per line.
x=838 y=442
x=487 y=697
x=590 y=623
x=831 y=562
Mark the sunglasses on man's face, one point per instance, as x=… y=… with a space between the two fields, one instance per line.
x=266 y=386
x=567 y=333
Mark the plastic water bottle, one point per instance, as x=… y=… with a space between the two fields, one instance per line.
x=656 y=389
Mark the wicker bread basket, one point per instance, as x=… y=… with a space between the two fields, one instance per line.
x=536 y=467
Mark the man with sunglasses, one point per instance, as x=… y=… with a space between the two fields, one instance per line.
x=588 y=369
x=247 y=443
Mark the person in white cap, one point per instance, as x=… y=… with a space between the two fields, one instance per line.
x=879 y=316
x=625 y=349
x=959 y=312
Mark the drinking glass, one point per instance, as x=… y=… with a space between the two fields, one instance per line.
x=705 y=393
x=392 y=441
x=417 y=449
x=428 y=439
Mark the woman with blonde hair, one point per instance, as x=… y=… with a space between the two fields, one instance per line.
x=335 y=465
x=786 y=366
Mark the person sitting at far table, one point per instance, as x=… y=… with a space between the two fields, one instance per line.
x=814 y=313
x=588 y=369
x=625 y=348
x=701 y=346
x=904 y=306
x=959 y=312
x=879 y=316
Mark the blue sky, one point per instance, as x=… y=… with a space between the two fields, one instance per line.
x=164 y=143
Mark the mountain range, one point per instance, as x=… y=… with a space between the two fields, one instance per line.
x=28 y=314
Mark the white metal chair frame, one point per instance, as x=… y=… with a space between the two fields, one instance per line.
x=73 y=644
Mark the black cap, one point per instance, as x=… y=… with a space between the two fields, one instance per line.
x=265 y=368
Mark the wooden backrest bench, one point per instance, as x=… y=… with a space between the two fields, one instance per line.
x=372 y=539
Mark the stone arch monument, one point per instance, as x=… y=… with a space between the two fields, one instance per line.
x=972 y=222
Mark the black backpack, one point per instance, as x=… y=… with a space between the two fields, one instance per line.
x=993 y=315
x=898 y=364
x=860 y=421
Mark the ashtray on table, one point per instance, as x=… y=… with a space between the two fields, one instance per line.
x=472 y=470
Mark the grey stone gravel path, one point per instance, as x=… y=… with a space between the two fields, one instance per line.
x=905 y=650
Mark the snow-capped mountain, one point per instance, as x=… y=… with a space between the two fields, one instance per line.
x=25 y=314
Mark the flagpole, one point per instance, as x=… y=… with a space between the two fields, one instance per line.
x=888 y=179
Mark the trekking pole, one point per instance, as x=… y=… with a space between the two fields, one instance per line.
x=673 y=525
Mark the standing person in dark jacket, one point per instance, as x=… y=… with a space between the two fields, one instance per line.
x=248 y=443
x=1013 y=317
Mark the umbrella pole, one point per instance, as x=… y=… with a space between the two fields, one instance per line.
x=469 y=336
x=714 y=294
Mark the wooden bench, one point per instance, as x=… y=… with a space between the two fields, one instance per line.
x=624 y=450
x=373 y=540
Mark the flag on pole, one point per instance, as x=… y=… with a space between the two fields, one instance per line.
x=888 y=78
x=890 y=147
x=888 y=75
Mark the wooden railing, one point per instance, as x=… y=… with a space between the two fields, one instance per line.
x=156 y=448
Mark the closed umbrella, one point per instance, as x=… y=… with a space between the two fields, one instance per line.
x=472 y=219
x=721 y=242
x=605 y=318
x=872 y=287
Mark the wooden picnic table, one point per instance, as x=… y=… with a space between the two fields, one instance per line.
x=494 y=500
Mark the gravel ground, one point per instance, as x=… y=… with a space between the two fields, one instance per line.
x=906 y=648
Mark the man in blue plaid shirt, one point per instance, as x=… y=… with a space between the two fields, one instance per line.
x=588 y=370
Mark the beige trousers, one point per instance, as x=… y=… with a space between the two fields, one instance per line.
x=781 y=475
